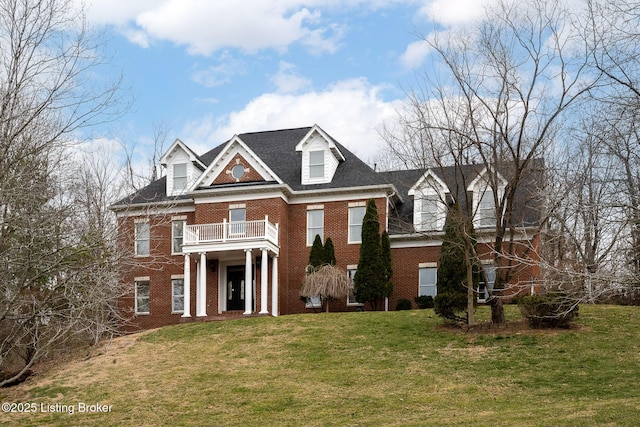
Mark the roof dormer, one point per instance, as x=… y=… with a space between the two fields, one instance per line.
x=183 y=168
x=429 y=202
x=487 y=187
x=320 y=157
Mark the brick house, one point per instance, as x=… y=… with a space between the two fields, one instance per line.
x=230 y=231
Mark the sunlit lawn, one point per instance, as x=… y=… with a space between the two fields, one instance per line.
x=370 y=368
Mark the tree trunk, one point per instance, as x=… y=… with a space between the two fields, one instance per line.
x=497 y=310
x=470 y=293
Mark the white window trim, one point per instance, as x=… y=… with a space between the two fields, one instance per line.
x=177 y=190
x=353 y=268
x=427 y=265
x=238 y=228
x=479 y=186
x=312 y=238
x=135 y=237
x=323 y=164
x=177 y=277
x=349 y=224
x=135 y=297
x=309 y=303
x=173 y=237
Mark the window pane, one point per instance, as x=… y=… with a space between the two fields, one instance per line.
x=429 y=217
x=177 y=231
x=177 y=303
x=142 y=297
x=237 y=218
x=180 y=176
x=487 y=209
x=427 y=282
x=142 y=238
x=356 y=215
x=237 y=215
x=351 y=299
x=315 y=225
x=316 y=164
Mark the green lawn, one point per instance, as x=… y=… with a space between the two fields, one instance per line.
x=355 y=369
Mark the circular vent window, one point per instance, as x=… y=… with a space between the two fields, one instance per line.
x=237 y=172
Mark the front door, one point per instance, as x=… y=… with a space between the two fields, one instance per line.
x=235 y=287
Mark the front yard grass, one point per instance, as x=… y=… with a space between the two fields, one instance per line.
x=361 y=369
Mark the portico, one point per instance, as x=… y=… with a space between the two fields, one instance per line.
x=237 y=250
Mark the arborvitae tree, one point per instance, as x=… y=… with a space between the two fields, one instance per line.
x=452 y=269
x=316 y=256
x=369 y=278
x=386 y=261
x=329 y=252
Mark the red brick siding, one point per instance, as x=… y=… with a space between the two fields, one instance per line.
x=226 y=178
x=158 y=266
x=292 y=260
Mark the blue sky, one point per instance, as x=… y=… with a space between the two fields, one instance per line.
x=207 y=70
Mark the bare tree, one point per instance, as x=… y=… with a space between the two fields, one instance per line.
x=47 y=97
x=505 y=88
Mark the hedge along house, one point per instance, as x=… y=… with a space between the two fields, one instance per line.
x=230 y=231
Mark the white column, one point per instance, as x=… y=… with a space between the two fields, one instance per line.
x=274 y=286
x=248 y=286
x=264 y=269
x=187 y=286
x=201 y=291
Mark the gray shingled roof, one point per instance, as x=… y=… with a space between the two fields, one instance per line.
x=527 y=203
x=277 y=150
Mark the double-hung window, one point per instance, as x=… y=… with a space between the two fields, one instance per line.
x=356 y=215
x=485 y=286
x=177 y=234
x=237 y=221
x=315 y=225
x=316 y=164
x=428 y=278
x=142 y=296
x=179 y=176
x=142 y=238
x=177 y=295
x=351 y=298
x=430 y=212
x=486 y=209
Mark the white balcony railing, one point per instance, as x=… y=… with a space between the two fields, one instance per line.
x=231 y=231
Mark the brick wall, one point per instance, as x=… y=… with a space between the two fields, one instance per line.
x=159 y=266
x=336 y=221
x=292 y=260
x=250 y=176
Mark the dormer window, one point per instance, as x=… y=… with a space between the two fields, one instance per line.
x=179 y=177
x=320 y=157
x=431 y=212
x=316 y=164
x=485 y=191
x=429 y=207
x=486 y=214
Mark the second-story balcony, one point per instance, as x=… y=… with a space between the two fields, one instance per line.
x=229 y=235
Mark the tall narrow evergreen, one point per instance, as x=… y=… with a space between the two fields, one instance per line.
x=369 y=278
x=329 y=252
x=451 y=299
x=316 y=256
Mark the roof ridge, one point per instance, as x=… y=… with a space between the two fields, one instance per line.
x=274 y=130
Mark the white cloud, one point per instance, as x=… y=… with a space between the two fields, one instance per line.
x=287 y=80
x=217 y=75
x=415 y=54
x=350 y=110
x=451 y=12
x=207 y=26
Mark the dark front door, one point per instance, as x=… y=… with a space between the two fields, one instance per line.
x=235 y=287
